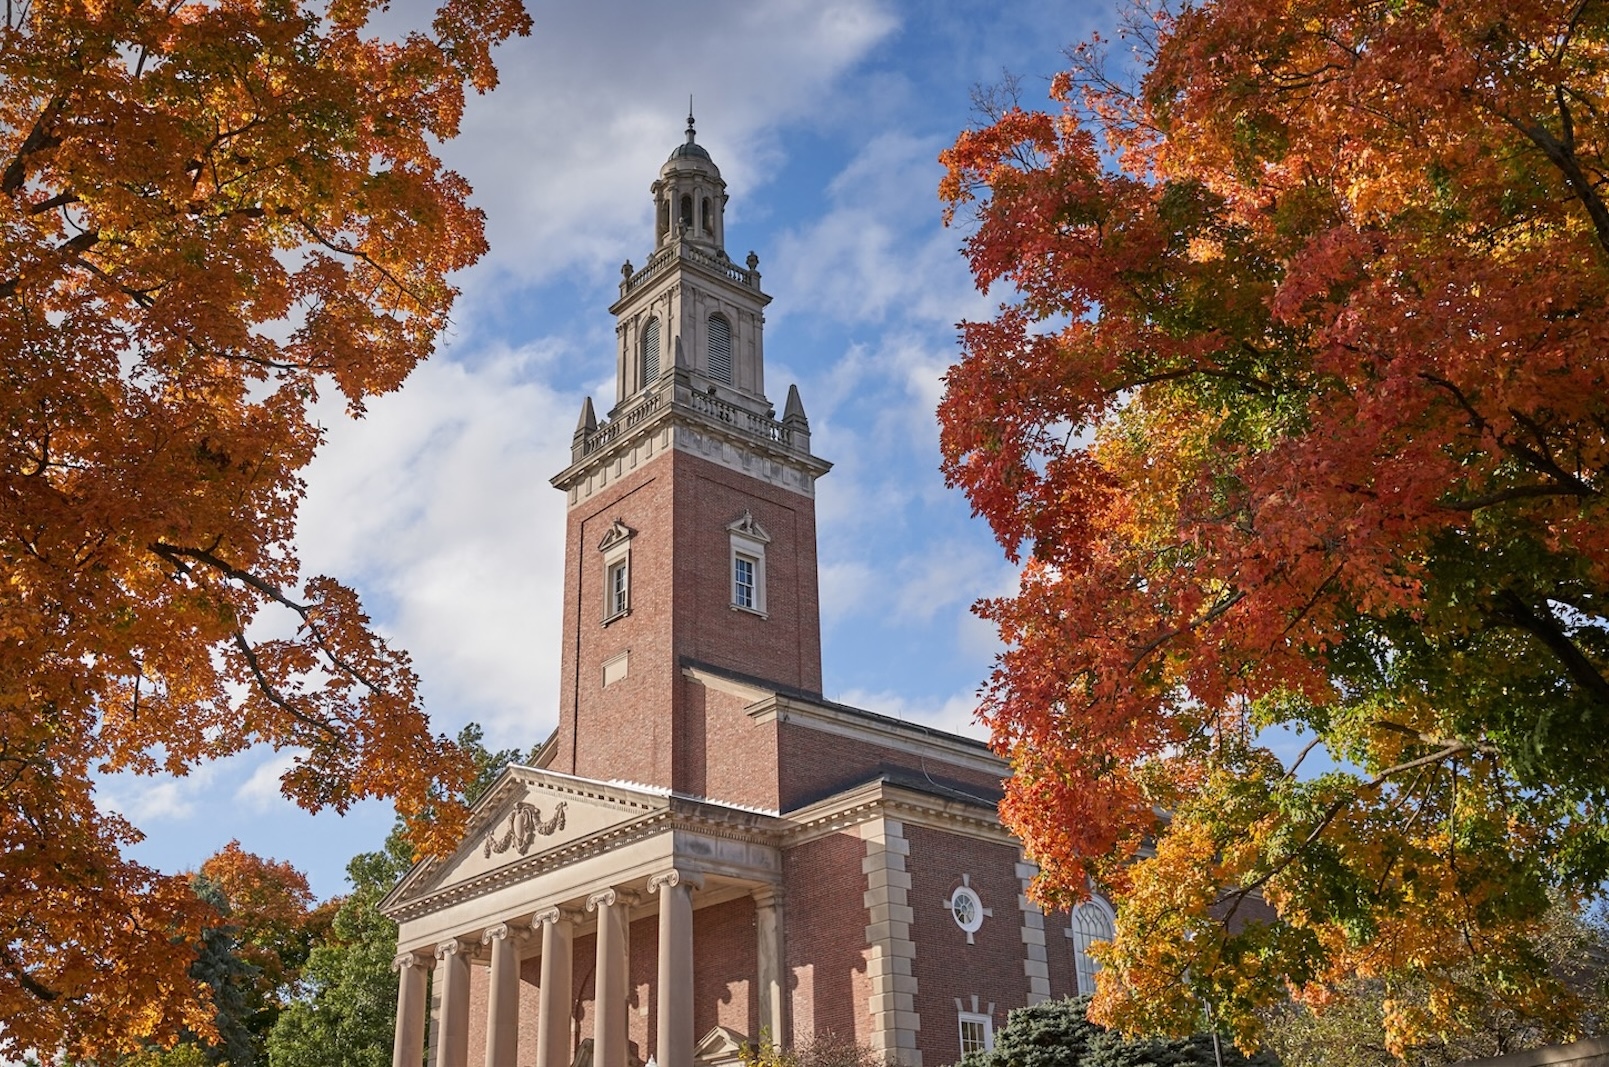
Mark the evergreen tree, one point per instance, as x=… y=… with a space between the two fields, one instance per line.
x=1058 y=1034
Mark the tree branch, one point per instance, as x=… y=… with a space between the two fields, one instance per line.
x=1515 y=611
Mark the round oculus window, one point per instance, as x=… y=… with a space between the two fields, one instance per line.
x=966 y=908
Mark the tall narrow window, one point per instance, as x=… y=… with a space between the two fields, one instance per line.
x=687 y=212
x=616 y=549
x=619 y=598
x=1092 y=922
x=708 y=217
x=720 y=349
x=748 y=540
x=650 y=351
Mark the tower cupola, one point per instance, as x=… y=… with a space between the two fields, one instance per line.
x=689 y=197
x=690 y=318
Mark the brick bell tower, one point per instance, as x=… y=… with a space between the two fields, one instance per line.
x=691 y=529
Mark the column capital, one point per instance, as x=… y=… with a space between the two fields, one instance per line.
x=675 y=877
x=452 y=947
x=409 y=959
x=554 y=914
x=512 y=930
x=611 y=897
x=767 y=895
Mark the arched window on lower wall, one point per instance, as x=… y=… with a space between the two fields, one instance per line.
x=1092 y=921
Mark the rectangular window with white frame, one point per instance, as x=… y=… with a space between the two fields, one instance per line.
x=747 y=540
x=743 y=569
x=616 y=549
x=977 y=1032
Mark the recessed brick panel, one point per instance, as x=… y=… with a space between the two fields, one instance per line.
x=946 y=966
x=813 y=764
x=825 y=923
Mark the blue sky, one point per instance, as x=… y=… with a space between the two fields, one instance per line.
x=826 y=117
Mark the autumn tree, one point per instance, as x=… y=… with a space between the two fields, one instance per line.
x=1296 y=414
x=211 y=214
x=271 y=920
x=1350 y=1032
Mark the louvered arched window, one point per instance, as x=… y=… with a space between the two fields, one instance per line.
x=650 y=351
x=720 y=349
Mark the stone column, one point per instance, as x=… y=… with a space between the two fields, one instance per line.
x=674 y=1043
x=503 y=998
x=409 y=1048
x=452 y=1027
x=772 y=985
x=611 y=981
x=553 y=998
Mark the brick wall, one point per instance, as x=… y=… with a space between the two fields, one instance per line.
x=726 y=948
x=640 y=728
x=784 y=648
x=1059 y=950
x=824 y=922
x=624 y=731
x=727 y=756
x=813 y=765
x=947 y=967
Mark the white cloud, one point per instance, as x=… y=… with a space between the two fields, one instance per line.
x=956 y=714
x=438 y=503
x=144 y=800
x=563 y=165
x=260 y=792
x=879 y=251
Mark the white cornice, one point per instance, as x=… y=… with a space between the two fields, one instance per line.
x=889 y=800
x=678 y=427
x=657 y=811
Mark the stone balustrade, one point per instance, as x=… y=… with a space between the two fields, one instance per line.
x=674 y=391
x=686 y=251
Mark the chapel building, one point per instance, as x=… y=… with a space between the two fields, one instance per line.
x=706 y=852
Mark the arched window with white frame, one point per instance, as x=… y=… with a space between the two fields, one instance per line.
x=1092 y=921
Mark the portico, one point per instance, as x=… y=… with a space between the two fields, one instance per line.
x=551 y=861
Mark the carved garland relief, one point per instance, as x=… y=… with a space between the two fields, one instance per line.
x=524 y=824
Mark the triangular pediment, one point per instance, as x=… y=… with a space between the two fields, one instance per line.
x=721 y=1045
x=616 y=533
x=526 y=814
x=746 y=526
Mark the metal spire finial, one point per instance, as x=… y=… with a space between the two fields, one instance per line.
x=689 y=118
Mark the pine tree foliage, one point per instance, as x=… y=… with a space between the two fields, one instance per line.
x=1058 y=1033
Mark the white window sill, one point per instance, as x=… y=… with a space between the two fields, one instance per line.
x=749 y=611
